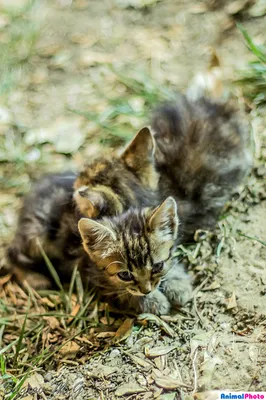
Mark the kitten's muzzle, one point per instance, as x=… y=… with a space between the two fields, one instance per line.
x=135 y=292
x=146 y=291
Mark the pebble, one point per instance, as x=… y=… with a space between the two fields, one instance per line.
x=114 y=353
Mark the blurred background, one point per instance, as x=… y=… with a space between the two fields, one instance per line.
x=79 y=76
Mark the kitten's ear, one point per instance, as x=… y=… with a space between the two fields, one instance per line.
x=138 y=156
x=96 y=237
x=141 y=148
x=90 y=202
x=164 y=220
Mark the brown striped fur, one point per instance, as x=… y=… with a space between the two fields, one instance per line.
x=109 y=186
x=200 y=156
x=138 y=243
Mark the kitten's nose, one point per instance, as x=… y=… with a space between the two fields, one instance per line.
x=145 y=289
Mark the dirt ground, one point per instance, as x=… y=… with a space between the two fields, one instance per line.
x=74 y=55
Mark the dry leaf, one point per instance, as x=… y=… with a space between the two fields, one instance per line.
x=214 y=285
x=52 y=322
x=69 y=349
x=139 y=361
x=253 y=353
x=159 y=322
x=231 y=302
x=105 y=335
x=166 y=382
x=148 y=396
x=157 y=394
x=129 y=388
x=158 y=351
x=46 y=302
x=160 y=362
x=209 y=83
x=102 y=371
x=74 y=312
x=107 y=321
x=124 y=330
x=207 y=368
x=5 y=279
x=84 y=340
x=210 y=395
x=34 y=381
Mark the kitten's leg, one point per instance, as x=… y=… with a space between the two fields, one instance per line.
x=23 y=261
x=34 y=279
x=154 y=303
x=177 y=285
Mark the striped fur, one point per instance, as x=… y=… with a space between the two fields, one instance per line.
x=199 y=158
x=202 y=154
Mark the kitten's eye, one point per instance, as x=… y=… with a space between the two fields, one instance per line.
x=157 y=267
x=125 y=276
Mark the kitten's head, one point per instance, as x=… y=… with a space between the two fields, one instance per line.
x=132 y=250
x=97 y=188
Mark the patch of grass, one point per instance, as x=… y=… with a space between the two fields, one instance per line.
x=34 y=331
x=253 y=78
x=21 y=35
x=127 y=111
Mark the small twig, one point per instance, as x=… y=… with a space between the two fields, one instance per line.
x=197 y=311
x=198 y=288
x=195 y=370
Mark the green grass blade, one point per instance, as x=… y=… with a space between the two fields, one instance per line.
x=71 y=286
x=252 y=238
x=50 y=267
x=21 y=336
x=256 y=50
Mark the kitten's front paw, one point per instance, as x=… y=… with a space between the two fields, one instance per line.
x=177 y=291
x=156 y=303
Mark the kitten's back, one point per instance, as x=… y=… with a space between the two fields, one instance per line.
x=202 y=153
x=47 y=215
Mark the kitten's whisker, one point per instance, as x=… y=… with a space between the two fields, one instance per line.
x=125 y=292
x=165 y=277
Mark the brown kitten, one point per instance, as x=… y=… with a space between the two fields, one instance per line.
x=109 y=186
x=127 y=256
x=132 y=259
x=50 y=215
x=202 y=154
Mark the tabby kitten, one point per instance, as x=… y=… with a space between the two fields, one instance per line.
x=202 y=154
x=132 y=262
x=50 y=215
x=126 y=256
x=190 y=165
